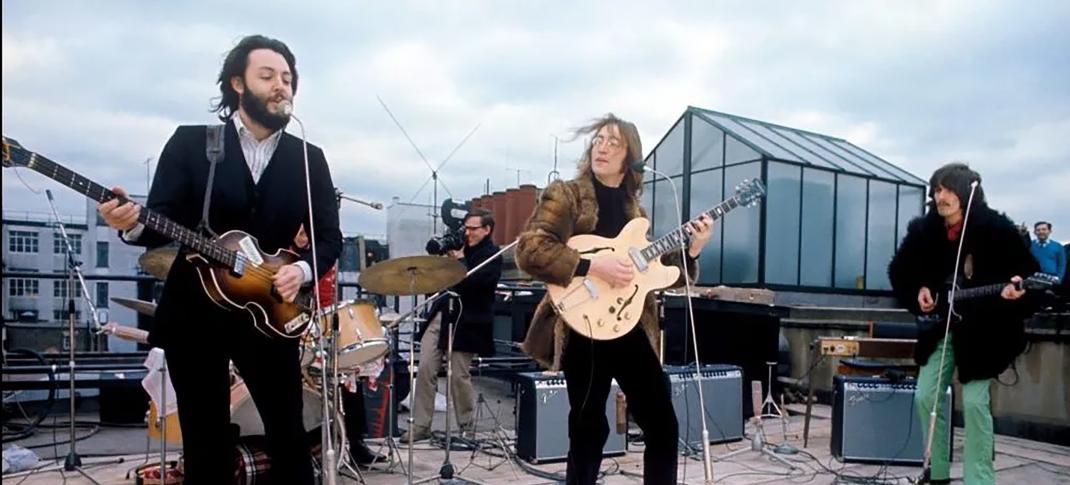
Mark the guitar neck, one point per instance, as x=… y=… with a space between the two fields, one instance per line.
x=978 y=292
x=678 y=237
x=152 y=220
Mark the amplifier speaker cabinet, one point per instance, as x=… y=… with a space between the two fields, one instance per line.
x=722 y=386
x=542 y=418
x=874 y=420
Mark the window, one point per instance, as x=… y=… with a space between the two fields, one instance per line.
x=22 y=242
x=911 y=203
x=850 y=232
x=782 y=224
x=28 y=316
x=60 y=247
x=60 y=289
x=669 y=156
x=23 y=287
x=61 y=315
x=880 y=235
x=102 y=254
x=705 y=193
x=707 y=145
x=741 y=230
x=102 y=294
x=736 y=152
x=815 y=260
x=665 y=215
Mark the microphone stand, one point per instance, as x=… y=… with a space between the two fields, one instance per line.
x=329 y=464
x=373 y=205
x=707 y=457
x=73 y=462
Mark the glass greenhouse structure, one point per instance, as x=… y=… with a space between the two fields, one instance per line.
x=830 y=222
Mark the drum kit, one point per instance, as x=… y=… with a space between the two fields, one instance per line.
x=347 y=337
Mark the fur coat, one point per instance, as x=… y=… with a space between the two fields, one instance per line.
x=992 y=332
x=566 y=209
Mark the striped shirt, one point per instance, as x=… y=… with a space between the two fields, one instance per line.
x=257 y=152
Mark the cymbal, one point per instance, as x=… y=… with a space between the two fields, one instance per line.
x=412 y=275
x=140 y=306
x=157 y=262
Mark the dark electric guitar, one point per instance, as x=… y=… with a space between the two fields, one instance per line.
x=1036 y=282
x=234 y=272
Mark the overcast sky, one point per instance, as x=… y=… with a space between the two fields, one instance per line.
x=100 y=86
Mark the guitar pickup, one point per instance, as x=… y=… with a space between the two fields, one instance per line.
x=638 y=259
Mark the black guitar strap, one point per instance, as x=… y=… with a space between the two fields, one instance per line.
x=214 y=150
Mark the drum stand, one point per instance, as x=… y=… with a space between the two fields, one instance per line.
x=391 y=411
x=500 y=435
x=331 y=463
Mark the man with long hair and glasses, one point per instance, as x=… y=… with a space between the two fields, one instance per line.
x=600 y=200
x=991 y=333
x=259 y=188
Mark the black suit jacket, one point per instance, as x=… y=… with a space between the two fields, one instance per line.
x=271 y=210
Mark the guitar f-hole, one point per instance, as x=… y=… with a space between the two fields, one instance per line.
x=620 y=315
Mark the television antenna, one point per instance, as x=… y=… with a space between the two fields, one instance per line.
x=434 y=176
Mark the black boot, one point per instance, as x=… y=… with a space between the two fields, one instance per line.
x=924 y=478
x=361 y=455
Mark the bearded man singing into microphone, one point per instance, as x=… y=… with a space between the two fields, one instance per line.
x=258 y=187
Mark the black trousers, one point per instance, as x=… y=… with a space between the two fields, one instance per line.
x=355 y=418
x=590 y=366
x=198 y=363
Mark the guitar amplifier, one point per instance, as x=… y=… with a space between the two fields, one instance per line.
x=542 y=418
x=722 y=386
x=874 y=420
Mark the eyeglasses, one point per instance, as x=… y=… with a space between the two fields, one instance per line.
x=612 y=142
x=473 y=228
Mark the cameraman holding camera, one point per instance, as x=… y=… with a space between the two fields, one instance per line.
x=472 y=316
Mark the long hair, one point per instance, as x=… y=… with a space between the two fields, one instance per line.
x=237 y=61
x=633 y=180
x=957 y=177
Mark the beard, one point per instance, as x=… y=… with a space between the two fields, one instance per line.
x=256 y=108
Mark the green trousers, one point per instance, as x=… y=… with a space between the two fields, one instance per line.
x=976 y=412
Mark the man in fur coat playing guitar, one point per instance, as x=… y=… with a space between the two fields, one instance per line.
x=990 y=333
x=602 y=198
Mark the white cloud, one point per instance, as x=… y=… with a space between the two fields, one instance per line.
x=918 y=83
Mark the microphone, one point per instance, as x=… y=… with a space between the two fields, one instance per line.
x=756 y=398
x=374 y=205
x=639 y=166
x=974 y=183
x=49 y=194
x=284 y=108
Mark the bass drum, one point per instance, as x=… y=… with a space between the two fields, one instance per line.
x=243 y=411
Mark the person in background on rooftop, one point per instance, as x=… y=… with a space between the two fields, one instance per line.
x=1050 y=254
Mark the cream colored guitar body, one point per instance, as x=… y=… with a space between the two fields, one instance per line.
x=590 y=305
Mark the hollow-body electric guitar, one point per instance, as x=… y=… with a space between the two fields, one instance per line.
x=599 y=311
x=233 y=271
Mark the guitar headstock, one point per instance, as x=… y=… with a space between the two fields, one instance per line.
x=14 y=154
x=749 y=191
x=1039 y=281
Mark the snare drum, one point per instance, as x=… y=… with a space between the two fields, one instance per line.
x=360 y=335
